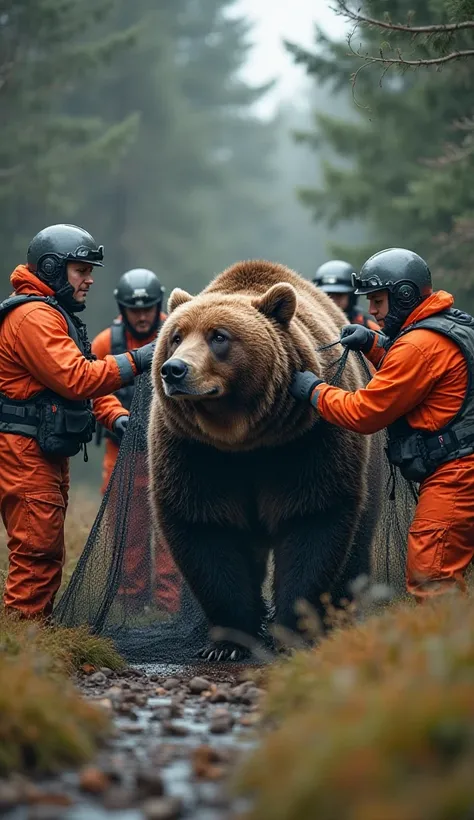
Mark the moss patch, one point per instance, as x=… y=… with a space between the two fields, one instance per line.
x=378 y=722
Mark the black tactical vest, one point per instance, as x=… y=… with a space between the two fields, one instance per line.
x=418 y=453
x=118 y=344
x=61 y=427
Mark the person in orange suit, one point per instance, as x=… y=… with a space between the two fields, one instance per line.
x=335 y=279
x=139 y=296
x=423 y=392
x=49 y=383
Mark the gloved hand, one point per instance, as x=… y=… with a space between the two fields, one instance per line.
x=120 y=425
x=303 y=384
x=143 y=356
x=357 y=337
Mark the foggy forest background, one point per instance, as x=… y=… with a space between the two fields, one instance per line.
x=133 y=121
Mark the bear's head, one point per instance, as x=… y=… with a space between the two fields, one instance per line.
x=223 y=365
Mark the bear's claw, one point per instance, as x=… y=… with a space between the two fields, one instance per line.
x=222 y=651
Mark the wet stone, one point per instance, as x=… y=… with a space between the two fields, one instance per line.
x=222 y=723
x=117 y=797
x=162 y=808
x=45 y=812
x=198 y=685
x=176 y=710
x=150 y=783
x=171 y=683
x=175 y=729
x=133 y=729
x=106 y=671
x=93 y=780
x=9 y=795
x=219 y=696
x=98 y=679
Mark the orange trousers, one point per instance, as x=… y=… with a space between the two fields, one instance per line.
x=441 y=537
x=33 y=502
x=167 y=580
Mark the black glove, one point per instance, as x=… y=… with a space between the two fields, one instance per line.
x=357 y=337
x=303 y=384
x=143 y=356
x=120 y=425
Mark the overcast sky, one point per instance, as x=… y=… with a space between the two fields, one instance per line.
x=276 y=20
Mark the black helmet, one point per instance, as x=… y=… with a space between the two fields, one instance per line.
x=335 y=277
x=50 y=251
x=139 y=288
x=404 y=274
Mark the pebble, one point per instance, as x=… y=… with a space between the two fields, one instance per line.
x=98 y=678
x=220 y=724
x=133 y=729
x=117 y=798
x=9 y=795
x=93 y=780
x=171 y=683
x=198 y=685
x=150 y=783
x=162 y=808
x=44 y=812
x=106 y=671
x=171 y=728
x=204 y=762
x=219 y=696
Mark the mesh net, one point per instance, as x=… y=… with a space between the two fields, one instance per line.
x=126 y=585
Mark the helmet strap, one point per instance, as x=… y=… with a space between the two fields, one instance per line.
x=52 y=271
x=65 y=297
x=398 y=312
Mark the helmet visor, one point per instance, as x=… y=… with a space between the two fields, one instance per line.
x=369 y=285
x=139 y=298
x=333 y=284
x=336 y=288
x=90 y=255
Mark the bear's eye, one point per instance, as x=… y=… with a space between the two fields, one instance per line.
x=176 y=339
x=218 y=337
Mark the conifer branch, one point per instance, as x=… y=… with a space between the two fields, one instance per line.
x=358 y=18
x=439 y=28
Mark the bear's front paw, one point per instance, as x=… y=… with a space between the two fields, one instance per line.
x=223 y=651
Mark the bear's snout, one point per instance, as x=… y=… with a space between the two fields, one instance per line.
x=174 y=371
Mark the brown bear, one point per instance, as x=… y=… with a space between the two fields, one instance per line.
x=239 y=468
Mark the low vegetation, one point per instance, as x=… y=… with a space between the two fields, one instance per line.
x=378 y=722
x=45 y=724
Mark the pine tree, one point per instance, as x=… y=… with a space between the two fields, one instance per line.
x=194 y=193
x=48 y=48
x=406 y=165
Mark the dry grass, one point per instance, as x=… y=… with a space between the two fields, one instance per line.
x=376 y=724
x=45 y=724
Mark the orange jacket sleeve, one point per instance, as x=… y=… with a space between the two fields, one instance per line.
x=400 y=385
x=106 y=408
x=45 y=349
x=377 y=352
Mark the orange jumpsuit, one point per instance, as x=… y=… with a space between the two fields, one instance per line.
x=167 y=583
x=36 y=353
x=424 y=378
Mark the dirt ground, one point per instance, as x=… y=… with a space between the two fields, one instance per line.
x=178 y=737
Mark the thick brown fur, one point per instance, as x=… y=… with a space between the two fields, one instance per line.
x=246 y=468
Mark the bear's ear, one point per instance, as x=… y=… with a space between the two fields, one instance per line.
x=279 y=303
x=178 y=297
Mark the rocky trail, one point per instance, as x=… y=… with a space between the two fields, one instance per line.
x=179 y=733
